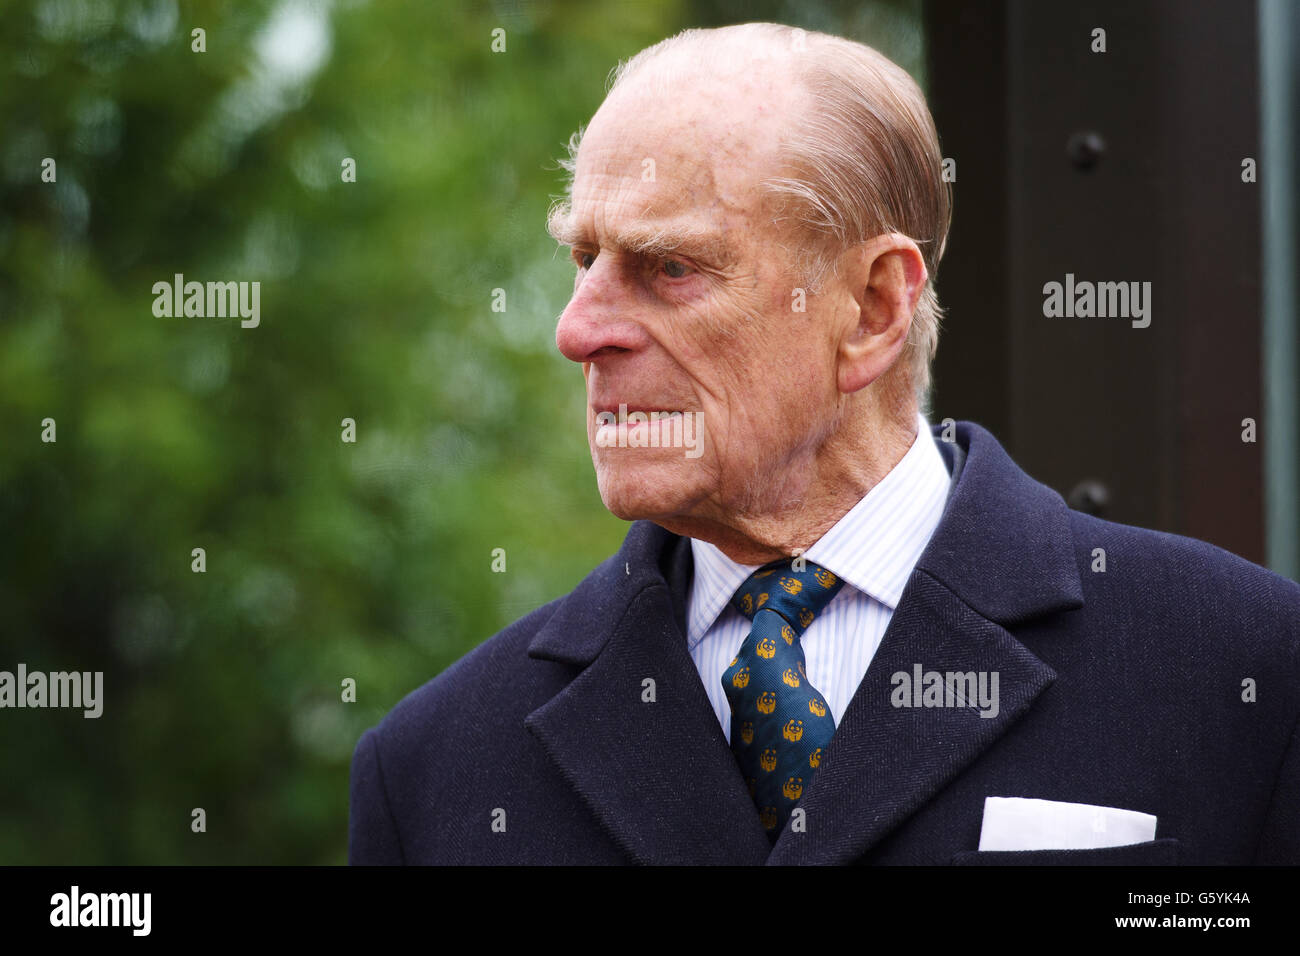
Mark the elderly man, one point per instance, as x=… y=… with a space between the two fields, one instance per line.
x=833 y=634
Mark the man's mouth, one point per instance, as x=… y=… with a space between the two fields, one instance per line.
x=646 y=426
x=631 y=415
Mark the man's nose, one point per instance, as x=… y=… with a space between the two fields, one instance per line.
x=600 y=318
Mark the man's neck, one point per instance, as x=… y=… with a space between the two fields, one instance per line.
x=844 y=477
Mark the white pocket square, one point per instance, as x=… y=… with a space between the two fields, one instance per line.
x=1021 y=823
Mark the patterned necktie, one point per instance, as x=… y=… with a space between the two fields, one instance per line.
x=780 y=724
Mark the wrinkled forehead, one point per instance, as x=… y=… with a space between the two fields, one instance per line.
x=679 y=142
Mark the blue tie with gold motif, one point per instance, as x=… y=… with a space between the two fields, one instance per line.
x=780 y=724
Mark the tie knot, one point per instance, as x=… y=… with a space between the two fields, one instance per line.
x=798 y=596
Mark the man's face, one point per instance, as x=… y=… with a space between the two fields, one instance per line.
x=683 y=301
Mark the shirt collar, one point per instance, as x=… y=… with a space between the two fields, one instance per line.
x=873 y=547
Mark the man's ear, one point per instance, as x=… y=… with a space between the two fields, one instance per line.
x=887 y=274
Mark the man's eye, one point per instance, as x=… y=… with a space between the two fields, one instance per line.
x=674 y=269
x=585 y=259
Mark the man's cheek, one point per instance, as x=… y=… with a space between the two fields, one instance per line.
x=734 y=310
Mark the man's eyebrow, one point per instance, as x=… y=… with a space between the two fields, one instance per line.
x=649 y=240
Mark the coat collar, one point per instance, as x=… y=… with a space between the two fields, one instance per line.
x=584 y=621
x=658 y=773
x=1018 y=528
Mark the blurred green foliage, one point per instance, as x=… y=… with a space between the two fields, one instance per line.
x=325 y=560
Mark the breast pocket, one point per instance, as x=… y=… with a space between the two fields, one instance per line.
x=1152 y=853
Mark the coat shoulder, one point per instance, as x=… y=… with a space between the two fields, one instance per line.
x=475 y=682
x=1195 y=588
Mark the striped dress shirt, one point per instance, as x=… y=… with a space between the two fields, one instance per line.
x=873 y=548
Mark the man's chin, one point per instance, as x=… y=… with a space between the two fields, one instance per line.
x=635 y=507
x=641 y=493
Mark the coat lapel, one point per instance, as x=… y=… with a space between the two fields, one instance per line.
x=657 y=774
x=885 y=762
x=1003 y=553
